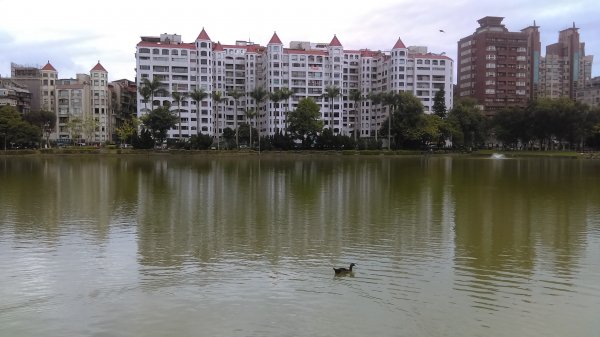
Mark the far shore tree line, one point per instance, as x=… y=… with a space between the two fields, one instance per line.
x=545 y=124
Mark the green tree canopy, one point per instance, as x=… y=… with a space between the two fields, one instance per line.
x=304 y=122
x=159 y=121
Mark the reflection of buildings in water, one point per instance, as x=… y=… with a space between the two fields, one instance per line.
x=289 y=208
x=515 y=223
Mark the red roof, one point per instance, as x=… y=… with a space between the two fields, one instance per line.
x=48 y=66
x=98 y=67
x=431 y=56
x=203 y=36
x=166 y=45
x=305 y=52
x=274 y=39
x=335 y=42
x=399 y=44
x=218 y=47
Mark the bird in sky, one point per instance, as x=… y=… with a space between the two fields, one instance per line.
x=442 y=31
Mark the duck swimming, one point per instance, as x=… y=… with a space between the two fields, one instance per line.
x=342 y=270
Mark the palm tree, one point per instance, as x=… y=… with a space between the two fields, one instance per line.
x=236 y=94
x=250 y=113
x=145 y=92
x=198 y=95
x=178 y=97
x=390 y=99
x=217 y=97
x=259 y=94
x=275 y=97
x=153 y=86
x=331 y=92
x=376 y=99
x=355 y=96
x=286 y=94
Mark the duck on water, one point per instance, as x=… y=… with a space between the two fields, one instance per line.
x=339 y=271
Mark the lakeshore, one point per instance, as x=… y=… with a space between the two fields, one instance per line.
x=270 y=153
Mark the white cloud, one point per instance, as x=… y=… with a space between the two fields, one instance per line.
x=74 y=38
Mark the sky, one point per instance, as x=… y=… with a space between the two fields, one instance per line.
x=74 y=36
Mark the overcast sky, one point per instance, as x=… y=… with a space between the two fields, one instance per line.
x=75 y=35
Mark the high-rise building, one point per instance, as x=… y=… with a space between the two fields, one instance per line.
x=305 y=68
x=565 y=68
x=496 y=66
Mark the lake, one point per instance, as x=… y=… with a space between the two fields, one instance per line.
x=245 y=246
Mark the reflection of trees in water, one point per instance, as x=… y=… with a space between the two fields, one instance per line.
x=509 y=213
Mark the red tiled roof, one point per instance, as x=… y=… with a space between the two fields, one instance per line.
x=98 y=67
x=48 y=66
x=166 y=45
x=203 y=36
x=305 y=52
x=370 y=53
x=431 y=56
x=218 y=47
x=399 y=44
x=274 y=39
x=335 y=42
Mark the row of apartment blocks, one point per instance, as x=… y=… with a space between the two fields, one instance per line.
x=85 y=97
x=307 y=69
x=500 y=68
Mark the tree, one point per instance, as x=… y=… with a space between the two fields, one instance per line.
x=75 y=127
x=126 y=130
x=331 y=92
x=286 y=94
x=45 y=120
x=178 y=97
x=217 y=98
x=89 y=126
x=376 y=99
x=469 y=122
x=275 y=97
x=152 y=87
x=14 y=130
x=159 y=121
x=392 y=101
x=304 y=122
x=259 y=94
x=439 y=103
x=406 y=122
x=146 y=93
x=229 y=136
x=356 y=97
x=236 y=94
x=198 y=95
x=250 y=113
x=200 y=141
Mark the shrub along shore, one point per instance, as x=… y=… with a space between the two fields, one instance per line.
x=270 y=153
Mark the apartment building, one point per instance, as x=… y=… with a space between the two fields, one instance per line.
x=590 y=93
x=565 y=68
x=83 y=108
x=15 y=95
x=41 y=83
x=305 y=68
x=494 y=65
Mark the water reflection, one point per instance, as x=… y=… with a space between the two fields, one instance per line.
x=434 y=238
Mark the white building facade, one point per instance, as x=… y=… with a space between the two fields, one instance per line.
x=305 y=68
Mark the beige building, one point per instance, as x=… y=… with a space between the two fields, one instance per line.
x=590 y=94
x=82 y=108
x=565 y=69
